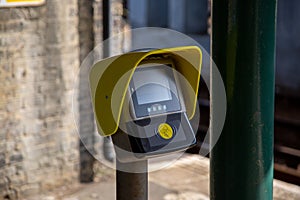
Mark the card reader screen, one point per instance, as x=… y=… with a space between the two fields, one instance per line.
x=152 y=86
x=153 y=90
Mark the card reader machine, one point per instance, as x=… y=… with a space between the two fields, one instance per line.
x=144 y=100
x=159 y=123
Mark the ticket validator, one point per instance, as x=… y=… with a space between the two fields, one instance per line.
x=144 y=101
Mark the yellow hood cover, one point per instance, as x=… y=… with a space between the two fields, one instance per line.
x=108 y=99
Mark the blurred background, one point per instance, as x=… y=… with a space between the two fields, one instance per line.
x=41 y=50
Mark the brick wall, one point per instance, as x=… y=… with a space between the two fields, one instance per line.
x=39 y=54
x=41 y=49
x=86 y=118
x=91 y=35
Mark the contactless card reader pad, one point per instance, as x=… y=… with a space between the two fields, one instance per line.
x=154 y=136
x=162 y=135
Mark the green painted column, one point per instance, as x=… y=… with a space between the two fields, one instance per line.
x=243 y=48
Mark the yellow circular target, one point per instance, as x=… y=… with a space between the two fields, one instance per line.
x=165 y=131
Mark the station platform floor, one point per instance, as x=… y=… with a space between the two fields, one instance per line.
x=186 y=179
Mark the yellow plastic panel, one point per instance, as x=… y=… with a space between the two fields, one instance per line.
x=107 y=73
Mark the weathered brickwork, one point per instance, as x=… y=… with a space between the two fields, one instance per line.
x=85 y=119
x=120 y=27
x=41 y=49
x=92 y=23
x=39 y=55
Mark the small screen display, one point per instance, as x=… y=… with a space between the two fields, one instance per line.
x=152 y=86
x=153 y=90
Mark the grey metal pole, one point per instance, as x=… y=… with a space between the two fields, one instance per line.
x=132 y=186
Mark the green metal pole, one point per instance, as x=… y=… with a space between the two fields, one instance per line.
x=243 y=48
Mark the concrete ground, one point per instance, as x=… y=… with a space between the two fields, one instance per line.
x=186 y=179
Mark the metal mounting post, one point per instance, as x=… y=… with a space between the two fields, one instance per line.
x=130 y=185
